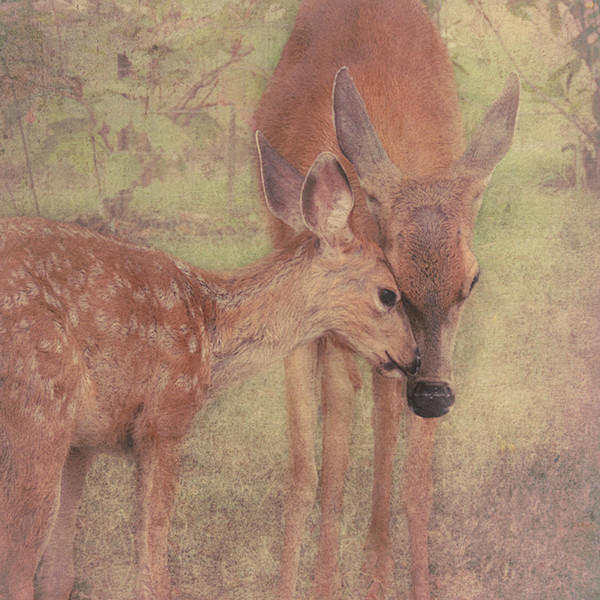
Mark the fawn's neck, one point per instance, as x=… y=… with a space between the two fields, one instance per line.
x=260 y=313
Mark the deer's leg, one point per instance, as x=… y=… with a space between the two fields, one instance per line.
x=378 y=568
x=417 y=498
x=56 y=574
x=301 y=484
x=340 y=379
x=158 y=463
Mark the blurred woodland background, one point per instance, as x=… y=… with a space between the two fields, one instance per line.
x=135 y=117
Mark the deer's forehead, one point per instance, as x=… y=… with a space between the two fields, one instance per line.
x=405 y=197
x=433 y=287
x=430 y=258
x=425 y=228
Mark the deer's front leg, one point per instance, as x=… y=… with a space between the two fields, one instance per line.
x=158 y=462
x=378 y=569
x=417 y=498
x=301 y=484
x=340 y=379
x=56 y=574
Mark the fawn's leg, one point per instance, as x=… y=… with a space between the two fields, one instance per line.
x=30 y=469
x=23 y=534
x=388 y=402
x=340 y=380
x=301 y=484
x=417 y=498
x=158 y=462
x=57 y=574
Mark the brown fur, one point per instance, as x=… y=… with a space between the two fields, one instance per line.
x=106 y=346
x=418 y=192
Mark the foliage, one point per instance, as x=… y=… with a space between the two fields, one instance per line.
x=111 y=97
x=434 y=7
x=578 y=21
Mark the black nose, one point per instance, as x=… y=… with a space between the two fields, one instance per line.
x=430 y=400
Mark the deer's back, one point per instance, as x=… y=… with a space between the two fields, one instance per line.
x=400 y=66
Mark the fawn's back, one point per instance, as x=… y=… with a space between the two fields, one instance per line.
x=85 y=317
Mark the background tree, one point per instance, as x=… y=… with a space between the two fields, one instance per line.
x=573 y=88
x=101 y=99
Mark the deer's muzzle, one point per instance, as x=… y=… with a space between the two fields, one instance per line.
x=430 y=400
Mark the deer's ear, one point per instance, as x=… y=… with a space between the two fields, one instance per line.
x=327 y=201
x=355 y=134
x=494 y=136
x=282 y=184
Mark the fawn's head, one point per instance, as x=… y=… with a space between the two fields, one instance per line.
x=350 y=282
x=425 y=228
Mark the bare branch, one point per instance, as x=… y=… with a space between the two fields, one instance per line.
x=23 y=138
x=211 y=77
x=479 y=7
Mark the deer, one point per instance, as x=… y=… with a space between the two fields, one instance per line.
x=372 y=82
x=113 y=347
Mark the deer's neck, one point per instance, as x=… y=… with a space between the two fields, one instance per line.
x=260 y=313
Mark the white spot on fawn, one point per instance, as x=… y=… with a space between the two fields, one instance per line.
x=73 y=316
x=185 y=382
x=166 y=298
x=139 y=295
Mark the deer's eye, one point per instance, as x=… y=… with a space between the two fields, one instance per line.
x=475 y=280
x=387 y=297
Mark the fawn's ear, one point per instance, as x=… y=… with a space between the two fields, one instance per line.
x=282 y=184
x=327 y=201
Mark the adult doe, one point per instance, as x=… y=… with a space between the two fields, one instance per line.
x=109 y=346
x=397 y=121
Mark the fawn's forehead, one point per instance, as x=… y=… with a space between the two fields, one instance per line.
x=374 y=261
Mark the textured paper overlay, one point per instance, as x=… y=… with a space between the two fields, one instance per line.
x=136 y=118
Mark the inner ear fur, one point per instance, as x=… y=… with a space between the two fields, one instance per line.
x=494 y=136
x=327 y=201
x=355 y=134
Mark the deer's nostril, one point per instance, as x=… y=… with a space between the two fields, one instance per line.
x=431 y=400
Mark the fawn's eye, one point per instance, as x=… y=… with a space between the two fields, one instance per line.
x=475 y=280
x=387 y=297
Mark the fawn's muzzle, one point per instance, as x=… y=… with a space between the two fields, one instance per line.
x=415 y=365
x=430 y=400
x=408 y=369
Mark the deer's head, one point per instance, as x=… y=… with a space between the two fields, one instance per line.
x=425 y=228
